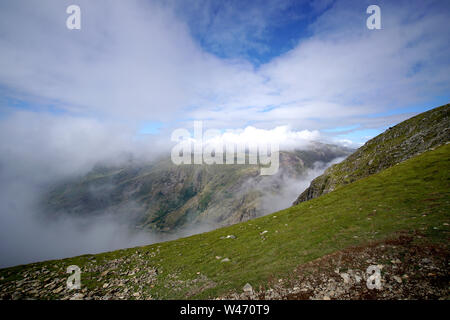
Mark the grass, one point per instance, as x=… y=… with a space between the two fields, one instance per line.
x=411 y=196
x=390 y=147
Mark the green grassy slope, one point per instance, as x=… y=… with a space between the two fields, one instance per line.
x=411 y=196
x=401 y=142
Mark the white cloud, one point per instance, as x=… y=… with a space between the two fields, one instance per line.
x=282 y=136
x=138 y=61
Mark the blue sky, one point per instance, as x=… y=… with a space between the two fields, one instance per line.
x=152 y=66
x=264 y=29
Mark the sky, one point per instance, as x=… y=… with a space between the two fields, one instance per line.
x=285 y=71
x=152 y=66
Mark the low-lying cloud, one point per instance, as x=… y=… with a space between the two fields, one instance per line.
x=38 y=150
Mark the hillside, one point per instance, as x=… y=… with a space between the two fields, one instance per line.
x=398 y=143
x=163 y=197
x=398 y=219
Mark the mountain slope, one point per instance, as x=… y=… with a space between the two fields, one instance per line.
x=399 y=143
x=412 y=197
x=164 y=197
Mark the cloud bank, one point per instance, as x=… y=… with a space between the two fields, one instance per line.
x=139 y=61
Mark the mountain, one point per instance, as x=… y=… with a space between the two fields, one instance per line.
x=164 y=197
x=399 y=143
x=396 y=219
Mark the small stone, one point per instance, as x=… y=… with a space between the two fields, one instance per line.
x=264 y=232
x=346 y=277
x=398 y=279
x=248 y=288
x=105 y=285
x=58 y=290
x=326 y=298
x=77 y=296
x=225 y=260
x=104 y=273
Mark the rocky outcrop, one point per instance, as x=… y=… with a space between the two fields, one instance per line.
x=399 y=143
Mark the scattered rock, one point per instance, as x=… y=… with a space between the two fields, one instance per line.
x=346 y=277
x=104 y=273
x=58 y=290
x=411 y=275
x=77 y=296
x=248 y=289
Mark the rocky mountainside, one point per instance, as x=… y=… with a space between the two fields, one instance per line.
x=399 y=143
x=397 y=220
x=163 y=197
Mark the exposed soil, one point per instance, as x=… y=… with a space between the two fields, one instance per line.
x=409 y=270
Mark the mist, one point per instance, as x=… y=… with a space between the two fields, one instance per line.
x=37 y=150
x=283 y=188
x=40 y=150
x=291 y=188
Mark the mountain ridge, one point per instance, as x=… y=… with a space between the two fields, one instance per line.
x=164 y=197
x=399 y=143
